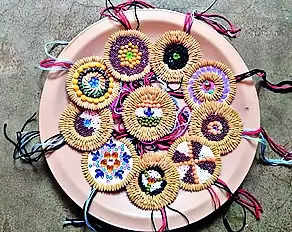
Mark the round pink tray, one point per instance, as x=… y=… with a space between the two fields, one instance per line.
x=115 y=208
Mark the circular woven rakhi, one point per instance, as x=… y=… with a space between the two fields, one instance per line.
x=85 y=130
x=211 y=81
x=218 y=124
x=198 y=163
x=90 y=85
x=156 y=184
x=112 y=166
x=149 y=113
x=126 y=54
x=174 y=56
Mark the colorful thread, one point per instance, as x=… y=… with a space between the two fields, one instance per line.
x=281 y=87
x=52 y=63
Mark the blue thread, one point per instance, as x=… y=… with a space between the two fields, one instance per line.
x=263 y=146
x=94 y=82
x=268 y=161
x=86 y=208
x=149 y=112
x=99 y=173
x=87 y=123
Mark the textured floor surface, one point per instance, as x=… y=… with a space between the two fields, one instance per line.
x=30 y=199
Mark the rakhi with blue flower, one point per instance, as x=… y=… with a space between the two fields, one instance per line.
x=135 y=132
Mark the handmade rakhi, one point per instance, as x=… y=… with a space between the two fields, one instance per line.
x=149 y=113
x=218 y=124
x=90 y=85
x=127 y=55
x=198 y=162
x=210 y=81
x=112 y=166
x=174 y=55
x=86 y=130
x=138 y=133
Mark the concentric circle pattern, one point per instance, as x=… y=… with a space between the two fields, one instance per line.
x=218 y=124
x=90 y=85
x=174 y=56
x=211 y=81
x=126 y=53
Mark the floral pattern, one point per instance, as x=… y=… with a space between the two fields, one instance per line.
x=111 y=163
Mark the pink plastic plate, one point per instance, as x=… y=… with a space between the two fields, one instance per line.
x=116 y=209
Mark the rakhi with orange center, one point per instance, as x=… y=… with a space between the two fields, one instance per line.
x=90 y=85
x=174 y=56
x=112 y=166
x=126 y=54
x=211 y=81
x=149 y=113
x=218 y=124
x=198 y=163
x=85 y=130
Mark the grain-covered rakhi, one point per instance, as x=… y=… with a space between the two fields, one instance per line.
x=174 y=55
x=90 y=85
x=126 y=54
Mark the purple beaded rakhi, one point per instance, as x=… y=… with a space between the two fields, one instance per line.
x=218 y=124
x=198 y=162
x=86 y=130
x=211 y=81
x=126 y=54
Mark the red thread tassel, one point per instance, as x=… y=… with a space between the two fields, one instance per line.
x=251 y=203
x=278 y=148
x=164 y=220
x=246 y=199
x=281 y=87
x=215 y=198
x=231 y=31
x=188 y=22
x=48 y=63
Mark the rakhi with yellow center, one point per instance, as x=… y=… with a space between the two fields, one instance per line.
x=129 y=55
x=90 y=85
